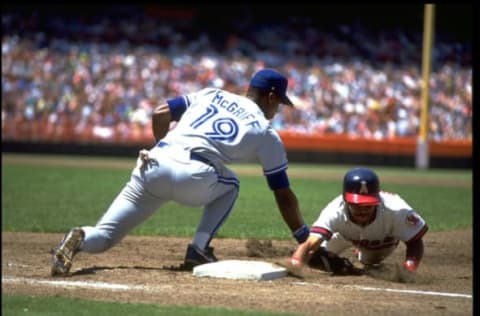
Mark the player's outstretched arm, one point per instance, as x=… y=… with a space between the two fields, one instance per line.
x=414 y=254
x=289 y=208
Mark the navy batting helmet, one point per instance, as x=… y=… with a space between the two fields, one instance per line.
x=361 y=186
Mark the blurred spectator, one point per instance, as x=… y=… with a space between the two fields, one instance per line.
x=92 y=79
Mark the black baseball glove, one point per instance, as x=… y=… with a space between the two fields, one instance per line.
x=325 y=260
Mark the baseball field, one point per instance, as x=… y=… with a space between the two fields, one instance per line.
x=43 y=196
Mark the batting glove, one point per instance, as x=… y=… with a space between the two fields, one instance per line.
x=143 y=157
x=410 y=265
x=295 y=266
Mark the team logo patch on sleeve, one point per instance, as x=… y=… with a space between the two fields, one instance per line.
x=412 y=219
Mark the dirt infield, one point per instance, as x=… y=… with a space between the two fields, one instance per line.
x=443 y=284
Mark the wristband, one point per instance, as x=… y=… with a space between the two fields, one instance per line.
x=301 y=234
x=410 y=264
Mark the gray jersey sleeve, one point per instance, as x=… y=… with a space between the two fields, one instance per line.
x=271 y=152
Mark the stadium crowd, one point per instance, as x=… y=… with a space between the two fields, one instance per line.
x=84 y=79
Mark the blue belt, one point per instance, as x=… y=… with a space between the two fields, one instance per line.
x=193 y=156
x=197 y=157
x=162 y=144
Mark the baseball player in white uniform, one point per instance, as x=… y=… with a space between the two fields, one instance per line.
x=188 y=165
x=368 y=219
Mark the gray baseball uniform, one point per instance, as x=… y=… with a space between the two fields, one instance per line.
x=214 y=128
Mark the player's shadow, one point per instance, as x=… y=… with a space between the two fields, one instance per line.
x=94 y=269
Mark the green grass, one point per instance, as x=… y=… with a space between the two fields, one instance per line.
x=53 y=199
x=59 y=306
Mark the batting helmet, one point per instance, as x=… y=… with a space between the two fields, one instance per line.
x=361 y=186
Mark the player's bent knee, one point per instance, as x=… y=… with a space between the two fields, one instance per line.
x=98 y=241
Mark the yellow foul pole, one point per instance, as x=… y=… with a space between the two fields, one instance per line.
x=422 y=156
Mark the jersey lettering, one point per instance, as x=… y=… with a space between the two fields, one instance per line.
x=233 y=107
x=375 y=244
x=222 y=129
x=211 y=111
x=254 y=124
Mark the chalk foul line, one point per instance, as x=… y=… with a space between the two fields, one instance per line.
x=367 y=288
x=127 y=287
x=80 y=284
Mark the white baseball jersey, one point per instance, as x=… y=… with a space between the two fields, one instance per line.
x=395 y=220
x=225 y=127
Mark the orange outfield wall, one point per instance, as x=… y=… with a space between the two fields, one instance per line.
x=27 y=131
x=405 y=146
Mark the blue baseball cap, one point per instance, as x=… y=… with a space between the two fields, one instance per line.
x=271 y=80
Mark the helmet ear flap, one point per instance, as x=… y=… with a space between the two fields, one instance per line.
x=361 y=186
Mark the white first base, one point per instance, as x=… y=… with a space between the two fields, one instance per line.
x=240 y=270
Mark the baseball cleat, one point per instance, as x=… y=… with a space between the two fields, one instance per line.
x=196 y=256
x=62 y=256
